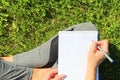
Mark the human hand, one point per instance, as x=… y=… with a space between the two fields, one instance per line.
x=46 y=74
x=53 y=75
x=95 y=57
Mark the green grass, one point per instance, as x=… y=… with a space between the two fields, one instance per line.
x=26 y=24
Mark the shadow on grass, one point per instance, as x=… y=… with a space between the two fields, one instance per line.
x=111 y=71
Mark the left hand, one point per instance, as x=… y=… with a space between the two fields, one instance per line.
x=52 y=74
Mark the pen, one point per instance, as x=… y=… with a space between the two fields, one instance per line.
x=106 y=55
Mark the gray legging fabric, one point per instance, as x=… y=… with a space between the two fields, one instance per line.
x=43 y=56
x=10 y=71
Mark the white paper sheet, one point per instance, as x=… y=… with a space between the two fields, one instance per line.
x=72 y=53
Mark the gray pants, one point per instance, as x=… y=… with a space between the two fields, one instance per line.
x=10 y=71
x=45 y=55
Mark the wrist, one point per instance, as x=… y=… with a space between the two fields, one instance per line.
x=92 y=66
x=91 y=72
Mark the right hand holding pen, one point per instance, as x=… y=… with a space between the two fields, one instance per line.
x=95 y=57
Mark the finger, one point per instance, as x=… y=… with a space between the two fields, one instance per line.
x=52 y=73
x=104 y=45
x=93 y=47
x=59 y=77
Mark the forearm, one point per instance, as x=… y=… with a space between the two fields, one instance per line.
x=91 y=73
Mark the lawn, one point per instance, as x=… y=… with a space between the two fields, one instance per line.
x=26 y=24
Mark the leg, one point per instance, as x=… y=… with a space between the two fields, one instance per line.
x=9 y=71
x=46 y=55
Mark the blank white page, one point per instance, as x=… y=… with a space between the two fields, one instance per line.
x=72 y=53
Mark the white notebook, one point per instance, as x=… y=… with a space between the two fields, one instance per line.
x=72 y=53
